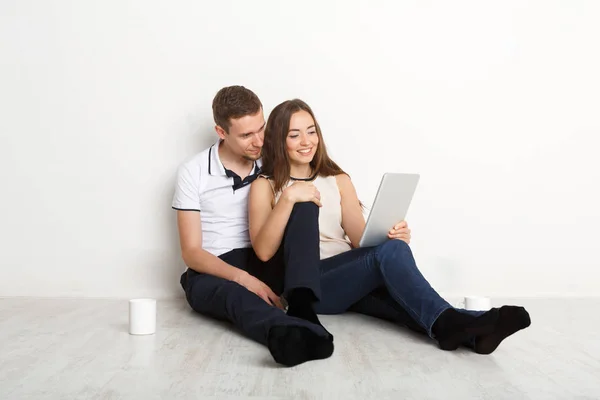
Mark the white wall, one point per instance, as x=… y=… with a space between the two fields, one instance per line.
x=496 y=104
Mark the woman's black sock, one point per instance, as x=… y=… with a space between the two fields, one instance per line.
x=452 y=327
x=511 y=320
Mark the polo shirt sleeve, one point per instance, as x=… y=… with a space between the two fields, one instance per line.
x=187 y=188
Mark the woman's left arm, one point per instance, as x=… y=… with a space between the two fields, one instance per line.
x=353 y=220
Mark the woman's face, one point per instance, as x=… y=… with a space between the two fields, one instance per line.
x=302 y=138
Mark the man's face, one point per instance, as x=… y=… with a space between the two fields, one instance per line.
x=246 y=136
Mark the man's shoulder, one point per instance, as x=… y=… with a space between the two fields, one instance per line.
x=195 y=161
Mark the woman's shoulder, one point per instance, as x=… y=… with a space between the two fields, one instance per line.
x=262 y=180
x=342 y=178
x=263 y=183
x=344 y=183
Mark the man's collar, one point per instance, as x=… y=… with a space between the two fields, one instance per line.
x=216 y=167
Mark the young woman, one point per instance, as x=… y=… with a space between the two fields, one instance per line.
x=298 y=172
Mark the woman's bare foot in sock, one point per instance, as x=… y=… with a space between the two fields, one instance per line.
x=511 y=319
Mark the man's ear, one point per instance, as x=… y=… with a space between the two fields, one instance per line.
x=220 y=131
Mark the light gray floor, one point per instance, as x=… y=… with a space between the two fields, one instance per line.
x=80 y=349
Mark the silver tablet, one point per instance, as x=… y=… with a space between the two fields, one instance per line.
x=390 y=206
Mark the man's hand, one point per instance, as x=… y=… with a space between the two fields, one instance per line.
x=299 y=192
x=400 y=231
x=258 y=288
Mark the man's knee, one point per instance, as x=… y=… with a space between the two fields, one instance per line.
x=304 y=220
x=306 y=208
x=204 y=290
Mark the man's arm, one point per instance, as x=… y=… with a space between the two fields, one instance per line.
x=195 y=257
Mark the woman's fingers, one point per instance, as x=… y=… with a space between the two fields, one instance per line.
x=398 y=236
x=402 y=236
x=400 y=225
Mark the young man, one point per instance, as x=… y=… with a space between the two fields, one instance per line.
x=224 y=278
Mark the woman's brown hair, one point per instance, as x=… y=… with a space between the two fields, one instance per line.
x=276 y=163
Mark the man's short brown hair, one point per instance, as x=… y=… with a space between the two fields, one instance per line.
x=234 y=102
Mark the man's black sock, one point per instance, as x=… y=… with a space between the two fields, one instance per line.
x=292 y=345
x=300 y=305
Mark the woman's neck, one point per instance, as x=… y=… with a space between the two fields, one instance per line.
x=303 y=171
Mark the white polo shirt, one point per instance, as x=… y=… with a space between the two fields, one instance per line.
x=221 y=197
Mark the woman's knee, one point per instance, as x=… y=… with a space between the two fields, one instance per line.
x=393 y=246
x=394 y=253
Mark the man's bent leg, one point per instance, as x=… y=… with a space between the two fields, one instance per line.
x=295 y=265
x=300 y=254
x=291 y=341
x=228 y=301
x=301 y=249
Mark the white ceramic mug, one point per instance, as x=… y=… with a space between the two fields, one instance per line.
x=142 y=316
x=477 y=303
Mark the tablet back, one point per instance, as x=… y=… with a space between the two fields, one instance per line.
x=391 y=204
